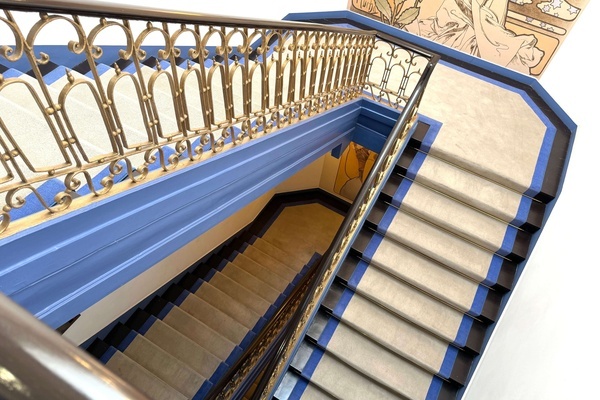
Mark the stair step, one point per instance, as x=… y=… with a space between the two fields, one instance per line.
x=375 y=362
x=456 y=217
x=179 y=346
x=251 y=282
x=243 y=259
x=338 y=379
x=498 y=149
x=222 y=301
x=400 y=336
x=267 y=260
x=238 y=292
x=417 y=307
x=212 y=316
x=335 y=377
x=488 y=196
x=456 y=253
x=304 y=229
x=426 y=274
x=277 y=253
x=141 y=378
x=194 y=329
x=160 y=363
x=264 y=274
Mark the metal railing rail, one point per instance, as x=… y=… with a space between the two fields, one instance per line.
x=135 y=106
x=338 y=249
x=37 y=363
x=256 y=357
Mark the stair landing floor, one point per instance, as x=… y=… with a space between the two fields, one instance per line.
x=303 y=229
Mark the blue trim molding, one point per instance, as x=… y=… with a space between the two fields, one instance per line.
x=61 y=267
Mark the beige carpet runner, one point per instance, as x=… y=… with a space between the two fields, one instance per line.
x=182 y=342
x=408 y=312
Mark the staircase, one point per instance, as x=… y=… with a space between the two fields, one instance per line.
x=410 y=308
x=181 y=342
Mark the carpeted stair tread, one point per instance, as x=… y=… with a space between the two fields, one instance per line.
x=251 y=282
x=471 y=189
x=199 y=332
x=448 y=249
x=279 y=254
x=398 y=335
x=264 y=274
x=471 y=224
x=168 y=368
x=414 y=305
x=304 y=229
x=228 y=305
x=506 y=146
x=214 y=318
x=428 y=275
x=240 y=293
x=335 y=377
x=372 y=360
x=248 y=263
x=184 y=349
x=141 y=378
x=267 y=260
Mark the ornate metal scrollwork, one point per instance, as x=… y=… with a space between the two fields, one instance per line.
x=143 y=106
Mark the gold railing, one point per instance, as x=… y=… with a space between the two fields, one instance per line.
x=151 y=89
x=265 y=361
x=325 y=272
x=395 y=69
x=159 y=90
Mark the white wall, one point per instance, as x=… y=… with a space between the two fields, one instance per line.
x=545 y=345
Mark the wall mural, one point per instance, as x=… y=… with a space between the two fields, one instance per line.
x=519 y=34
x=355 y=164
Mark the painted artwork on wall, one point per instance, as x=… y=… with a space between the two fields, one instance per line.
x=355 y=164
x=522 y=35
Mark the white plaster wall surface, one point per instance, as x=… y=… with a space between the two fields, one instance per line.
x=545 y=345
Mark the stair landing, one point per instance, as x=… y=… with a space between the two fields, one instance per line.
x=489 y=127
x=304 y=229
